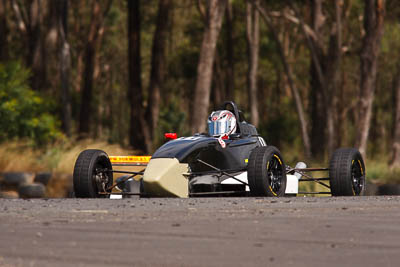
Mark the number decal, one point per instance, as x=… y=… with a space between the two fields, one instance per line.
x=191 y=138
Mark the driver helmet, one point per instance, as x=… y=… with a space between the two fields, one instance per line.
x=221 y=123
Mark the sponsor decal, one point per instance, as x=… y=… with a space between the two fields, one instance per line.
x=130 y=159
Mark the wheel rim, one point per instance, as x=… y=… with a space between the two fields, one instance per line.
x=357 y=175
x=275 y=174
x=100 y=178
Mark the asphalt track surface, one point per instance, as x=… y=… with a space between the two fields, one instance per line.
x=360 y=231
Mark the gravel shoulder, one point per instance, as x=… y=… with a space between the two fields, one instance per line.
x=359 y=231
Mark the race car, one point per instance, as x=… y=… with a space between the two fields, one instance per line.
x=232 y=159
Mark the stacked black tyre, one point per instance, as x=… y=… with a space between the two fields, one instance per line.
x=22 y=184
x=347 y=173
x=266 y=172
x=92 y=174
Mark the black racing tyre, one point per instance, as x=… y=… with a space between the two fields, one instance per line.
x=266 y=172
x=92 y=174
x=35 y=190
x=347 y=173
x=17 y=178
x=43 y=177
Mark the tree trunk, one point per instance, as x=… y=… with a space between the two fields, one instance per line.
x=318 y=112
x=86 y=112
x=395 y=158
x=218 y=92
x=293 y=87
x=215 y=13
x=52 y=33
x=252 y=36
x=139 y=135
x=30 y=24
x=230 y=69
x=325 y=69
x=3 y=32
x=374 y=13
x=158 y=65
x=332 y=76
x=86 y=102
x=36 y=53
x=64 y=65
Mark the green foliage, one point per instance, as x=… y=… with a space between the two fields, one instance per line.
x=23 y=112
x=378 y=171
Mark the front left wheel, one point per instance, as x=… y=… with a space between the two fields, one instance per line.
x=347 y=173
x=92 y=174
x=266 y=172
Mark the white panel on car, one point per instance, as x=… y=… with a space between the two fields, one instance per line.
x=292 y=184
x=242 y=177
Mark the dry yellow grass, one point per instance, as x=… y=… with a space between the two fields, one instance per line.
x=59 y=158
x=18 y=157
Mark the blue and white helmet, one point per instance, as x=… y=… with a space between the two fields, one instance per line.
x=221 y=123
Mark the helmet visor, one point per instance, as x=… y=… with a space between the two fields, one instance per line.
x=218 y=127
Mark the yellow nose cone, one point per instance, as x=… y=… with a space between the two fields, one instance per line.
x=163 y=177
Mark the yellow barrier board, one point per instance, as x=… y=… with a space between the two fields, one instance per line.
x=130 y=159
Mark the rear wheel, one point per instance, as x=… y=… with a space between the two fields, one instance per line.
x=92 y=174
x=266 y=172
x=347 y=173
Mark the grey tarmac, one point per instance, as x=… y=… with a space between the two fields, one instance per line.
x=301 y=231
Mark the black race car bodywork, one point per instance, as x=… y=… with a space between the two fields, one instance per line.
x=200 y=166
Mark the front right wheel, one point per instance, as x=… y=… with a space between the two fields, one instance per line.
x=266 y=172
x=92 y=174
x=347 y=173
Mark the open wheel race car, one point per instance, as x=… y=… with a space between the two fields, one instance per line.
x=231 y=160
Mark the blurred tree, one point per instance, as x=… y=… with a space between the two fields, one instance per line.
x=318 y=112
x=214 y=16
x=374 y=14
x=95 y=29
x=253 y=40
x=4 y=53
x=139 y=133
x=289 y=74
x=64 y=64
x=230 y=69
x=30 y=18
x=395 y=158
x=325 y=69
x=157 y=65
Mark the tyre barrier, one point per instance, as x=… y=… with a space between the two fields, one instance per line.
x=42 y=178
x=34 y=190
x=389 y=189
x=373 y=189
x=23 y=184
x=14 y=179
